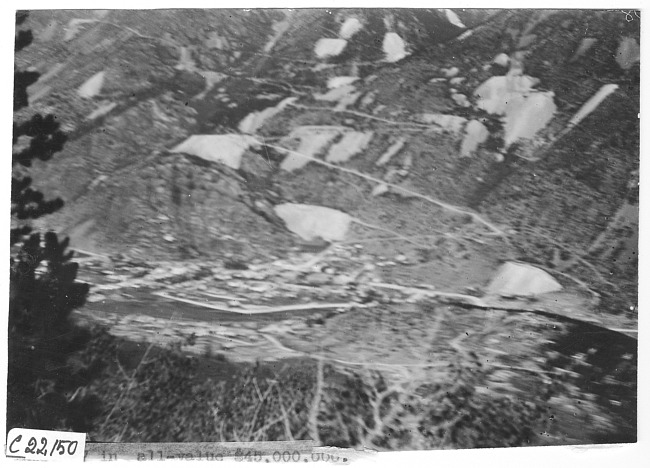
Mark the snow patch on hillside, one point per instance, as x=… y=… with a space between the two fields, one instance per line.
x=101 y=110
x=394 y=47
x=526 y=115
x=522 y=280
x=312 y=140
x=338 y=81
x=279 y=28
x=92 y=86
x=326 y=47
x=224 y=149
x=311 y=222
x=585 y=44
x=74 y=27
x=526 y=110
x=350 y=27
x=628 y=53
x=494 y=93
x=453 y=18
x=255 y=120
x=343 y=94
x=352 y=143
x=475 y=134
x=390 y=152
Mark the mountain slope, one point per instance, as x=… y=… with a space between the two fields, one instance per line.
x=167 y=75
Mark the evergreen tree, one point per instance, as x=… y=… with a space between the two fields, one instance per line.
x=44 y=390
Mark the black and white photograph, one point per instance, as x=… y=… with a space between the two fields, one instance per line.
x=384 y=229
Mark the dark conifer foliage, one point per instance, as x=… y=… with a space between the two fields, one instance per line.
x=44 y=391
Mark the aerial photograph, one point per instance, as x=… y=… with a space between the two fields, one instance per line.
x=390 y=229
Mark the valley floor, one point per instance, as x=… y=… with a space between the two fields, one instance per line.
x=334 y=307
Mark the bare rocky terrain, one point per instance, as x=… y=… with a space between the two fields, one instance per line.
x=445 y=144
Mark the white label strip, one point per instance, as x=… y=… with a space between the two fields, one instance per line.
x=33 y=444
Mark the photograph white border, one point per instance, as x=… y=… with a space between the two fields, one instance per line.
x=529 y=457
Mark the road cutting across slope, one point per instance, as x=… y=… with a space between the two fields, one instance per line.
x=446 y=206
